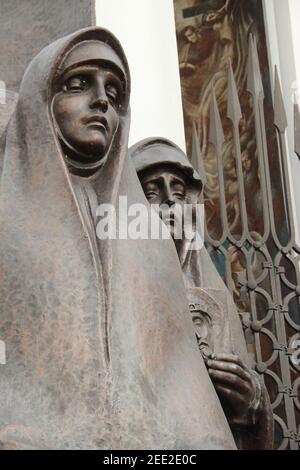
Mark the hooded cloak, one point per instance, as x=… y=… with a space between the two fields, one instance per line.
x=96 y=331
x=206 y=292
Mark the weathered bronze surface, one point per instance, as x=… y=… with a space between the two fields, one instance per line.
x=168 y=179
x=100 y=352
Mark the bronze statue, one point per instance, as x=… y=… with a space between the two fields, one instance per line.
x=169 y=180
x=100 y=350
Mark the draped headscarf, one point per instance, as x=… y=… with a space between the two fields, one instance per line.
x=99 y=350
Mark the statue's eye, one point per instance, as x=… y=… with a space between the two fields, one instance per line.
x=179 y=194
x=76 y=84
x=179 y=191
x=150 y=194
x=112 y=93
x=151 y=189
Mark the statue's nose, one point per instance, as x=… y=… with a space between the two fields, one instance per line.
x=101 y=103
x=170 y=202
x=169 y=198
x=100 y=99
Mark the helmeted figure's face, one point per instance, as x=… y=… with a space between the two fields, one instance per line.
x=88 y=101
x=166 y=187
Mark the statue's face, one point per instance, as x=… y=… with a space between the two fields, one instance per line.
x=203 y=327
x=165 y=187
x=86 y=109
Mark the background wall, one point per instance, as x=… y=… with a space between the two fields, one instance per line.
x=146 y=29
x=29 y=25
x=283 y=32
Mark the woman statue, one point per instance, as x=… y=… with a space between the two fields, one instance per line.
x=97 y=342
x=169 y=181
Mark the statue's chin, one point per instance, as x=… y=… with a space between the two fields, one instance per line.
x=79 y=158
x=85 y=159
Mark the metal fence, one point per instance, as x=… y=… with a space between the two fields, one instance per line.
x=266 y=288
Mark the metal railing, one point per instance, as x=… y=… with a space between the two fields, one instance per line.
x=267 y=285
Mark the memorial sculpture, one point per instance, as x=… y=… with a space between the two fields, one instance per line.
x=100 y=351
x=169 y=181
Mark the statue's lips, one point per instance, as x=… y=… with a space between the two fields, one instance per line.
x=96 y=122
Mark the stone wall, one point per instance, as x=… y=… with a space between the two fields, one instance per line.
x=26 y=26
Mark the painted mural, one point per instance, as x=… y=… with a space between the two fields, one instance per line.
x=210 y=34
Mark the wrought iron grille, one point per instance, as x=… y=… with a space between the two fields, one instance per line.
x=266 y=287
